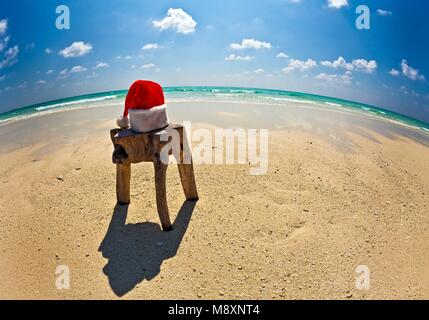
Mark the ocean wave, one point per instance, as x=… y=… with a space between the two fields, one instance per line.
x=333 y=104
x=226 y=95
x=291 y=100
x=211 y=94
x=241 y=91
x=65 y=104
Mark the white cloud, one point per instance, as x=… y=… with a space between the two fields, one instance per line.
x=10 y=57
x=101 y=65
x=337 y=3
x=78 y=69
x=151 y=46
x=77 y=49
x=384 y=13
x=178 y=20
x=22 y=85
x=410 y=72
x=414 y=93
x=2 y=77
x=233 y=57
x=299 y=65
x=345 y=78
x=250 y=44
x=3 y=26
x=404 y=90
x=365 y=65
x=282 y=55
x=50 y=72
x=3 y=43
x=30 y=46
x=48 y=51
x=357 y=64
x=339 y=63
x=93 y=75
x=148 y=66
x=394 y=72
x=40 y=82
x=259 y=71
x=128 y=57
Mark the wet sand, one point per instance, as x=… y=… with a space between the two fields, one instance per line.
x=342 y=190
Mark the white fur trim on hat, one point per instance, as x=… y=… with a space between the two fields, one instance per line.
x=146 y=120
x=123 y=122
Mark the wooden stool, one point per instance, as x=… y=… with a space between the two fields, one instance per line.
x=132 y=147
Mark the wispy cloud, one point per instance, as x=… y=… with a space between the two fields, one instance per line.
x=3 y=26
x=4 y=42
x=384 y=13
x=178 y=20
x=345 y=78
x=233 y=57
x=30 y=46
x=76 y=69
x=411 y=72
x=22 y=85
x=101 y=65
x=148 y=66
x=48 y=51
x=10 y=57
x=40 y=82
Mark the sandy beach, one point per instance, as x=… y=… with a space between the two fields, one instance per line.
x=342 y=190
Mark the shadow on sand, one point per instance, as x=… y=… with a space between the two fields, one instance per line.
x=136 y=251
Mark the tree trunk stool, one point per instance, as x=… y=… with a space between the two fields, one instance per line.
x=132 y=147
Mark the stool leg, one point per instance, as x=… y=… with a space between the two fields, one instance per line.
x=161 y=195
x=186 y=169
x=187 y=177
x=123 y=178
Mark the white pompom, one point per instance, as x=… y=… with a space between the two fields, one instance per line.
x=123 y=122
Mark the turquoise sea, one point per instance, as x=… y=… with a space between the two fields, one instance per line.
x=229 y=94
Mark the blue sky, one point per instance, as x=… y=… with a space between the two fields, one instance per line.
x=300 y=45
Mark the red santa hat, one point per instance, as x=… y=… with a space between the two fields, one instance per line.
x=145 y=108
